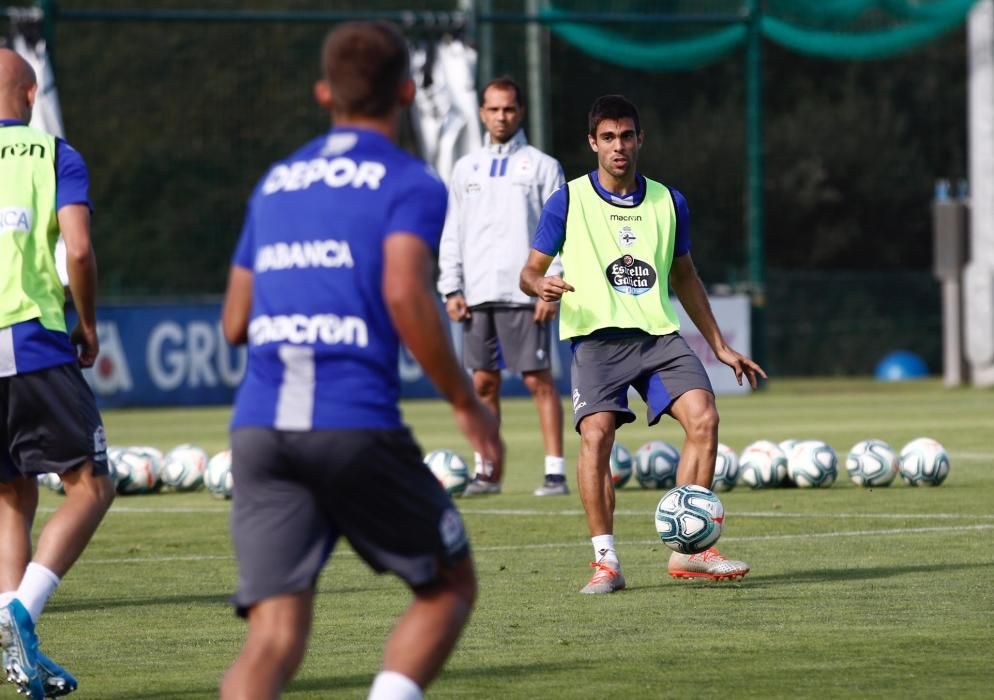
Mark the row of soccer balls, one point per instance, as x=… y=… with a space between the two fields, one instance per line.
x=145 y=469
x=762 y=464
x=802 y=463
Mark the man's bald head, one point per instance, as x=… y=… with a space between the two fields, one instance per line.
x=17 y=86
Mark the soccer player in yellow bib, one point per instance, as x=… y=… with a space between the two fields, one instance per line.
x=621 y=237
x=49 y=422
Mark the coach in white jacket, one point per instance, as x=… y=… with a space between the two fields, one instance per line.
x=496 y=195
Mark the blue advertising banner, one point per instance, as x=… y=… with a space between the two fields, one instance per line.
x=176 y=355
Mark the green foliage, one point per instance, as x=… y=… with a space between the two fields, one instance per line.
x=854 y=592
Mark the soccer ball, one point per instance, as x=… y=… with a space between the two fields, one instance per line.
x=655 y=465
x=788 y=445
x=621 y=465
x=136 y=472
x=183 y=468
x=53 y=482
x=762 y=464
x=218 y=478
x=871 y=463
x=812 y=464
x=113 y=455
x=726 y=469
x=689 y=519
x=450 y=469
x=924 y=462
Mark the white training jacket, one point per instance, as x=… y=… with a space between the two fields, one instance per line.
x=496 y=196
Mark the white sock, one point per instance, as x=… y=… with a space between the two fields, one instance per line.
x=555 y=466
x=604 y=550
x=484 y=468
x=6 y=597
x=390 y=685
x=37 y=586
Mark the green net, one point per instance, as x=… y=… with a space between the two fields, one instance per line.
x=839 y=29
x=675 y=54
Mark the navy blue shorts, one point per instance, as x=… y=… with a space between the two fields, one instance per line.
x=49 y=423
x=296 y=493
x=660 y=368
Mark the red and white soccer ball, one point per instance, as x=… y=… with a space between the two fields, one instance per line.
x=183 y=468
x=621 y=465
x=136 y=470
x=762 y=465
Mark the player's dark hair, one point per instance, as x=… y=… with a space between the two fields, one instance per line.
x=504 y=82
x=365 y=64
x=613 y=107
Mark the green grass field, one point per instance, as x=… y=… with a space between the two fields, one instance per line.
x=854 y=593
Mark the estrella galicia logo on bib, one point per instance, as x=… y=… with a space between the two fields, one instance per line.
x=630 y=275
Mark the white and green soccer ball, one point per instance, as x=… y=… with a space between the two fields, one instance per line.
x=812 y=464
x=689 y=519
x=114 y=453
x=620 y=464
x=726 y=469
x=450 y=469
x=136 y=471
x=871 y=463
x=183 y=468
x=923 y=462
x=762 y=465
x=655 y=465
x=218 y=478
x=53 y=482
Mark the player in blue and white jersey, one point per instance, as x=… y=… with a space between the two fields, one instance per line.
x=333 y=270
x=49 y=421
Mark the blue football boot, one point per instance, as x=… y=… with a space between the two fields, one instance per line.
x=54 y=679
x=20 y=650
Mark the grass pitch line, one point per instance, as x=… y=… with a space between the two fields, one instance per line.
x=581 y=543
x=744 y=514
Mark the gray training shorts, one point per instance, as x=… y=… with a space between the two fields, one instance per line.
x=506 y=337
x=661 y=368
x=296 y=493
x=49 y=423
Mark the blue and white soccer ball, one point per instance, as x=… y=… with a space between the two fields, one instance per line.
x=218 y=478
x=762 y=465
x=726 y=469
x=871 y=463
x=621 y=465
x=450 y=469
x=655 y=465
x=689 y=519
x=136 y=471
x=183 y=468
x=924 y=462
x=812 y=464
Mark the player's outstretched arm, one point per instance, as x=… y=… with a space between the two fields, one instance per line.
x=237 y=305
x=690 y=291
x=534 y=283
x=410 y=299
x=81 y=263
